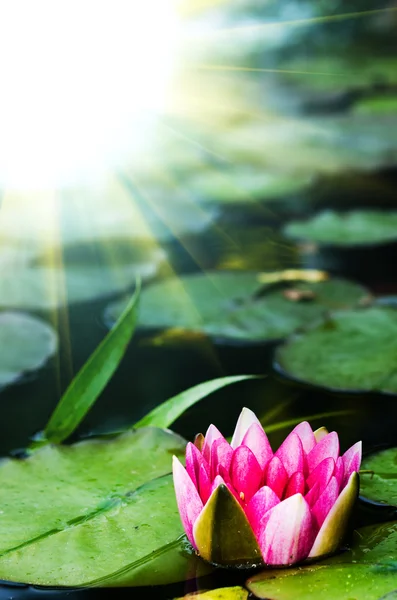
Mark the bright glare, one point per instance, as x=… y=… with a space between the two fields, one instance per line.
x=81 y=81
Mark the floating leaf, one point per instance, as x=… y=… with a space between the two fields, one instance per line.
x=85 y=388
x=245 y=185
x=346 y=228
x=236 y=306
x=380 y=484
x=228 y=593
x=334 y=582
x=351 y=350
x=26 y=343
x=102 y=511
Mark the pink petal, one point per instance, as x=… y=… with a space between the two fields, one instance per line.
x=325 y=502
x=245 y=473
x=187 y=498
x=194 y=460
x=276 y=476
x=313 y=494
x=220 y=454
x=260 y=503
x=296 y=485
x=212 y=434
x=256 y=440
x=322 y=473
x=306 y=435
x=291 y=454
x=288 y=532
x=244 y=422
x=204 y=486
x=327 y=447
x=339 y=471
x=351 y=461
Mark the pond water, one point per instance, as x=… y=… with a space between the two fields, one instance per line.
x=266 y=194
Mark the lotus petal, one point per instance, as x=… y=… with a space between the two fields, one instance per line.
x=322 y=473
x=244 y=422
x=276 y=476
x=204 y=485
x=295 y=485
x=291 y=454
x=221 y=454
x=306 y=435
x=351 y=461
x=334 y=527
x=288 y=532
x=212 y=434
x=222 y=532
x=256 y=440
x=325 y=502
x=327 y=447
x=187 y=498
x=245 y=473
x=339 y=471
x=259 y=505
x=194 y=460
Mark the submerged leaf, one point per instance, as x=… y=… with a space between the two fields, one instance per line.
x=380 y=484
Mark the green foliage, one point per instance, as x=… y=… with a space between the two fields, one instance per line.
x=26 y=343
x=351 y=350
x=236 y=306
x=381 y=484
x=93 y=377
x=167 y=412
x=347 y=228
x=228 y=593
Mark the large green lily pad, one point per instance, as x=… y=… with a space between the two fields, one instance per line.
x=100 y=512
x=346 y=228
x=351 y=350
x=367 y=570
x=26 y=343
x=381 y=484
x=235 y=305
x=227 y=593
x=244 y=185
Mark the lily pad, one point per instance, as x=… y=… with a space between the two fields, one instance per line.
x=380 y=485
x=104 y=513
x=347 y=228
x=228 y=593
x=26 y=343
x=367 y=570
x=351 y=350
x=236 y=306
x=244 y=185
x=43 y=288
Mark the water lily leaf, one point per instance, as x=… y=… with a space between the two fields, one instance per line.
x=334 y=582
x=228 y=593
x=380 y=485
x=351 y=350
x=26 y=343
x=244 y=185
x=102 y=508
x=347 y=228
x=236 y=306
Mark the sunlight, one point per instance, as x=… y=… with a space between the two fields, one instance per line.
x=81 y=83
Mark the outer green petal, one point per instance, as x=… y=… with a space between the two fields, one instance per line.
x=320 y=433
x=223 y=534
x=334 y=527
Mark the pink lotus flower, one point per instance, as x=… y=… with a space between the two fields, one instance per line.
x=243 y=504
